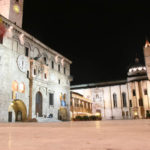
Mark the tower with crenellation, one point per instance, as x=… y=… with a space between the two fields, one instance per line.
x=12 y=10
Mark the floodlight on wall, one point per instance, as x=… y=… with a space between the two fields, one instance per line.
x=9 y=32
x=21 y=38
x=56 y=59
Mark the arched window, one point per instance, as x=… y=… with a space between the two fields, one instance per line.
x=134 y=92
x=145 y=91
x=59 y=67
x=52 y=63
x=115 y=100
x=39 y=104
x=27 y=49
x=45 y=60
x=130 y=103
x=124 y=100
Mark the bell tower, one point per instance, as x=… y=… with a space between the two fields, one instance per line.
x=12 y=10
x=147 y=57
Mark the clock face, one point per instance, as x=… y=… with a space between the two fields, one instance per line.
x=22 y=62
x=16 y=8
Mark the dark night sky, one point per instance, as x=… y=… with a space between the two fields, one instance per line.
x=100 y=37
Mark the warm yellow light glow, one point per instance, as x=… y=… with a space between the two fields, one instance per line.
x=97 y=114
x=147 y=44
x=18 y=105
x=81 y=98
x=61 y=97
x=135 y=113
x=140 y=68
x=15 y=86
x=16 y=8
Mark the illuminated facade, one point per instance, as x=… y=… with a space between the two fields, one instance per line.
x=79 y=105
x=125 y=99
x=35 y=79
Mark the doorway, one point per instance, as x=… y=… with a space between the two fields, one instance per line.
x=9 y=116
x=39 y=104
x=19 y=116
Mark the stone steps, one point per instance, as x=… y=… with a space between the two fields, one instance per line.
x=41 y=119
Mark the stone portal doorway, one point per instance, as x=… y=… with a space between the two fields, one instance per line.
x=38 y=104
x=17 y=111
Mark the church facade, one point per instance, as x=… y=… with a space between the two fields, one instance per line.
x=35 y=79
x=124 y=99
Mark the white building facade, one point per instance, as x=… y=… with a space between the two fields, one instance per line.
x=35 y=79
x=125 y=99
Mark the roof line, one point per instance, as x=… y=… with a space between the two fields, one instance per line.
x=100 y=84
x=33 y=38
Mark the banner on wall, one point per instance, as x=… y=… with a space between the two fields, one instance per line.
x=63 y=103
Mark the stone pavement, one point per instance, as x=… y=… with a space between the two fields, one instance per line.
x=96 y=135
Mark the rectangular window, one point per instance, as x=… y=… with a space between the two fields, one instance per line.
x=45 y=60
x=51 y=99
x=70 y=103
x=26 y=51
x=52 y=65
x=134 y=93
x=27 y=74
x=64 y=70
x=130 y=103
x=45 y=75
x=141 y=102
x=145 y=91
x=34 y=71
x=59 y=67
x=59 y=81
x=1 y=40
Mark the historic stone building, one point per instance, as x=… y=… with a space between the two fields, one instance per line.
x=123 y=99
x=35 y=79
x=79 y=105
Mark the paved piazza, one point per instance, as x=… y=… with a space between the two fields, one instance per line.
x=97 y=135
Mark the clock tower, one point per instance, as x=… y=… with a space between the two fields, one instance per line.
x=12 y=10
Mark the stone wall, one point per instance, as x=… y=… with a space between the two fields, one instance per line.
x=56 y=81
x=106 y=103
